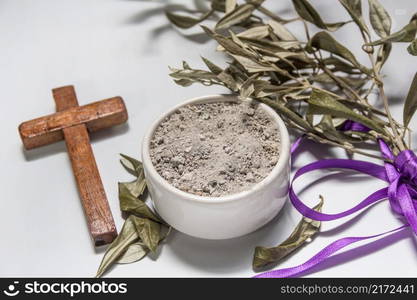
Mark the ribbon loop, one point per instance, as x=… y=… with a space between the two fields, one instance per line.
x=406 y=163
x=401 y=176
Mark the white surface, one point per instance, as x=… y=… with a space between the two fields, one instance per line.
x=120 y=47
x=202 y=217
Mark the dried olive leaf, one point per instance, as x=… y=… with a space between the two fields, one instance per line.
x=184 y=82
x=263 y=45
x=257 y=32
x=246 y=91
x=133 y=166
x=304 y=231
x=188 y=77
x=135 y=252
x=136 y=187
x=410 y=105
x=306 y=11
x=252 y=66
x=281 y=31
x=230 y=5
x=288 y=113
x=131 y=204
x=324 y=78
x=412 y=48
x=380 y=19
x=264 y=88
x=228 y=80
x=405 y=35
x=239 y=14
x=148 y=231
x=186 y=22
x=197 y=75
x=218 y=5
x=339 y=65
x=228 y=44
x=323 y=103
x=328 y=129
x=126 y=237
x=324 y=41
x=247 y=88
x=185 y=65
x=239 y=42
x=211 y=66
x=289 y=44
x=354 y=8
x=165 y=232
x=382 y=56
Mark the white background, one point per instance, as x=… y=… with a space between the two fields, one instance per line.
x=120 y=47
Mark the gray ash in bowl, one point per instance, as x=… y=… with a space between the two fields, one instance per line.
x=216 y=149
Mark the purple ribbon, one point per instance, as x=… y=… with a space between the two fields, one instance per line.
x=401 y=176
x=350 y=125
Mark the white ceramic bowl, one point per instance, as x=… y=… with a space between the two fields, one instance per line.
x=220 y=217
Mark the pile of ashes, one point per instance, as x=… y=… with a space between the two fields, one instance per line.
x=216 y=149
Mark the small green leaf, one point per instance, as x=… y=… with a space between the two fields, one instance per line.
x=135 y=252
x=412 y=48
x=186 y=22
x=410 y=105
x=127 y=236
x=304 y=231
x=131 y=204
x=306 y=11
x=323 y=103
x=380 y=19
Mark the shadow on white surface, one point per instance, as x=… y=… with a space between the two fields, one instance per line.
x=229 y=256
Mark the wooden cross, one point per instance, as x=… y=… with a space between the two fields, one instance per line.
x=72 y=123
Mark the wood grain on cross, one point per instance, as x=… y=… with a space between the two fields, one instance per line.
x=72 y=123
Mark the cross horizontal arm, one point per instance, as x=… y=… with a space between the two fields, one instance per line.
x=48 y=129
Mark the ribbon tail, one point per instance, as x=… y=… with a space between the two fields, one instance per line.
x=321 y=256
x=407 y=207
x=315 y=215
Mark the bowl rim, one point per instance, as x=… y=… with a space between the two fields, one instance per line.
x=282 y=163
